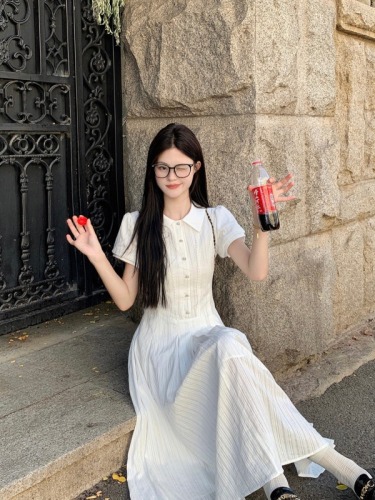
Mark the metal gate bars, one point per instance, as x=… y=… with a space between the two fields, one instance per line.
x=60 y=153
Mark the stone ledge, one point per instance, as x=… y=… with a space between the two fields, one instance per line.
x=356 y=18
x=79 y=469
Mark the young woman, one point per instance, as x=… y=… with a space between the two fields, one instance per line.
x=211 y=421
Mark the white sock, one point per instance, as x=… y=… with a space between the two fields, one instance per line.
x=276 y=482
x=345 y=470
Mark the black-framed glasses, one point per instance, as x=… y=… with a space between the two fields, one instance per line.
x=181 y=170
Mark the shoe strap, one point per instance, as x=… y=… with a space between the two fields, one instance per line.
x=367 y=488
x=283 y=493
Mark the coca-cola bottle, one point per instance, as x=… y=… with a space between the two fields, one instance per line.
x=268 y=216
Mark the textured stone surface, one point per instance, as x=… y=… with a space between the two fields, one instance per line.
x=277 y=42
x=320 y=54
x=357 y=201
x=189 y=57
x=348 y=248
x=369 y=146
x=351 y=120
x=369 y=264
x=322 y=165
x=356 y=17
x=293 y=307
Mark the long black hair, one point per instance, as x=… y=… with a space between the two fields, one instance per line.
x=151 y=259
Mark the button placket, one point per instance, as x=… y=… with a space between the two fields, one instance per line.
x=181 y=240
x=186 y=293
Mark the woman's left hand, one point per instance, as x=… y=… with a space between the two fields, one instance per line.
x=282 y=187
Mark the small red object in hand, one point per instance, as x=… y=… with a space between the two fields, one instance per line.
x=82 y=220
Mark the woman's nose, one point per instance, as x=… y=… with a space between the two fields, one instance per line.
x=172 y=174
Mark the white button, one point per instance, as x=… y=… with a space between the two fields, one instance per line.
x=178 y=223
x=186 y=295
x=183 y=258
x=187 y=312
x=180 y=241
x=187 y=276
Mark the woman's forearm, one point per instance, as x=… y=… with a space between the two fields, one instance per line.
x=122 y=294
x=258 y=262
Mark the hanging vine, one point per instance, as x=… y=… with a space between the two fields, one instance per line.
x=107 y=12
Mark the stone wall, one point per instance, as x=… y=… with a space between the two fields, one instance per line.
x=294 y=84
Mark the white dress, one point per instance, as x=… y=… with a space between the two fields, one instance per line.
x=211 y=421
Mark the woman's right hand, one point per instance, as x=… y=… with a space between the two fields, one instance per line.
x=84 y=238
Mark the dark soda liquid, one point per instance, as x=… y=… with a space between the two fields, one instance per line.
x=269 y=221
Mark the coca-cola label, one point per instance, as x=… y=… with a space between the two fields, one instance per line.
x=264 y=199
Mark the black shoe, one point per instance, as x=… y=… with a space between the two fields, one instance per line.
x=285 y=494
x=365 y=488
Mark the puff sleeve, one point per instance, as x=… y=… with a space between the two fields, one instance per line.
x=227 y=230
x=120 y=248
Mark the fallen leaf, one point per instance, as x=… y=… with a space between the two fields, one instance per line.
x=341 y=487
x=116 y=477
x=92 y=497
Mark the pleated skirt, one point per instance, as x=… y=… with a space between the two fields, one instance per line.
x=212 y=423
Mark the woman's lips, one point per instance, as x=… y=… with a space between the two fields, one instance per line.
x=173 y=186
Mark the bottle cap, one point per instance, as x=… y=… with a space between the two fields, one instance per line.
x=82 y=220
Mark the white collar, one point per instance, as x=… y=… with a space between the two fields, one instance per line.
x=194 y=218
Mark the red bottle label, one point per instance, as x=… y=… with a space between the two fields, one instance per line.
x=264 y=199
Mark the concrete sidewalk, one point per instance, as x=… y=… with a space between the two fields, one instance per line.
x=66 y=417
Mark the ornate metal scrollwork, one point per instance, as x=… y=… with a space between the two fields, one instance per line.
x=97 y=119
x=56 y=39
x=34 y=102
x=24 y=151
x=3 y=282
x=56 y=106
x=14 y=51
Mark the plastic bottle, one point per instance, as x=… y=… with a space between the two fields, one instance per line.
x=268 y=216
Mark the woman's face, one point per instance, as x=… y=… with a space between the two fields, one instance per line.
x=172 y=185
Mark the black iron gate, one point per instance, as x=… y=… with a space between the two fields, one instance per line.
x=60 y=153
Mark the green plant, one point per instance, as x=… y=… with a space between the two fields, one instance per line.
x=107 y=12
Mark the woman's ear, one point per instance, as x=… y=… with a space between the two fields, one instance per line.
x=197 y=166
